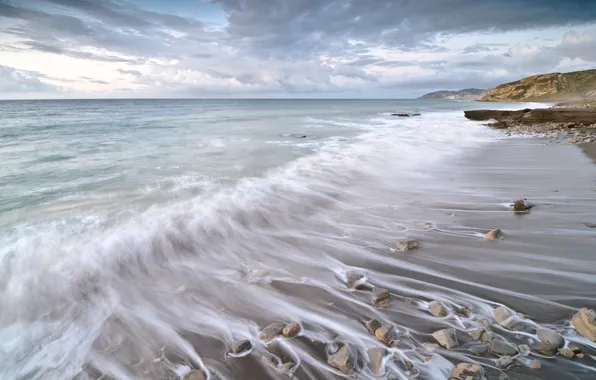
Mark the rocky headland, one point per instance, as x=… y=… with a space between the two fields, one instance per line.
x=465 y=94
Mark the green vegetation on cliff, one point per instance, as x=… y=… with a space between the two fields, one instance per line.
x=577 y=85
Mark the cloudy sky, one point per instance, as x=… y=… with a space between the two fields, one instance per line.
x=285 y=48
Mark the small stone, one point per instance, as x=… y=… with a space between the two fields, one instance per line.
x=380 y=296
x=521 y=205
x=550 y=337
x=465 y=311
x=271 y=331
x=372 y=325
x=574 y=347
x=288 y=369
x=479 y=350
x=406 y=245
x=354 y=280
x=544 y=348
x=494 y=234
x=506 y=318
x=476 y=334
x=504 y=361
x=535 y=364
x=343 y=360
x=502 y=348
x=580 y=355
x=385 y=333
x=240 y=347
x=195 y=374
x=467 y=371
x=292 y=330
x=567 y=353
x=438 y=309
x=376 y=356
x=524 y=349
x=409 y=366
x=446 y=338
x=584 y=321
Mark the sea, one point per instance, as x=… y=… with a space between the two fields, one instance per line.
x=139 y=239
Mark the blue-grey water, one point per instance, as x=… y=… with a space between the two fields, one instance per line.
x=140 y=238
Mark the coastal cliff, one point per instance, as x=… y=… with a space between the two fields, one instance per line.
x=577 y=85
x=465 y=94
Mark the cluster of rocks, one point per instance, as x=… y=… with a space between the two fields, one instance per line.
x=575 y=126
x=405 y=114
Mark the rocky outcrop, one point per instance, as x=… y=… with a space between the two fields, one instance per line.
x=465 y=94
x=569 y=116
x=576 y=85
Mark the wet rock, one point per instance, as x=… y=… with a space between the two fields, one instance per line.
x=288 y=369
x=405 y=114
x=524 y=349
x=535 y=364
x=354 y=279
x=498 y=125
x=409 y=366
x=506 y=318
x=522 y=205
x=580 y=355
x=574 y=347
x=406 y=245
x=292 y=330
x=446 y=338
x=544 y=348
x=343 y=360
x=479 y=350
x=476 y=334
x=380 y=296
x=567 y=353
x=430 y=347
x=438 y=309
x=590 y=225
x=487 y=336
x=241 y=347
x=551 y=337
x=372 y=325
x=494 y=234
x=195 y=374
x=386 y=333
x=272 y=331
x=584 y=322
x=502 y=348
x=465 y=311
x=376 y=356
x=467 y=371
x=504 y=361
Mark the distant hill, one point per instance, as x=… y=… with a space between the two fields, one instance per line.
x=577 y=85
x=465 y=94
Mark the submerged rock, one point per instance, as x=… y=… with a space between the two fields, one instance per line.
x=446 y=338
x=544 y=348
x=550 y=337
x=376 y=356
x=386 y=333
x=584 y=322
x=535 y=364
x=524 y=349
x=574 y=347
x=241 y=347
x=372 y=325
x=504 y=361
x=343 y=360
x=522 y=205
x=405 y=114
x=502 y=348
x=479 y=350
x=465 y=311
x=487 y=336
x=195 y=374
x=438 y=309
x=292 y=330
x=273 y=330
x=476 y=334
x=380 y=296
x=288 y=369
x=406 y=245
x=494 y=234
x=467 y=371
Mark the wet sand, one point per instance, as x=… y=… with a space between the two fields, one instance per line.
x=589 y=149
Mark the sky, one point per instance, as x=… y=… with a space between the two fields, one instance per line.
x=285 y=48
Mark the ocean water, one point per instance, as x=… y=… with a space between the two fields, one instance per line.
x=140 y=238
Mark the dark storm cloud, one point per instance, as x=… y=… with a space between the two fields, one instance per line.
x=272 y=27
